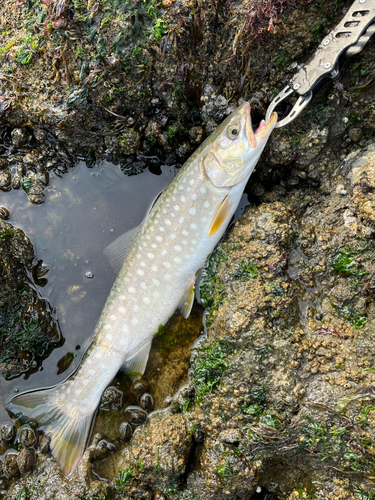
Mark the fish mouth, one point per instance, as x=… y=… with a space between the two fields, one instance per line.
x=265 y=129
x=248 y=126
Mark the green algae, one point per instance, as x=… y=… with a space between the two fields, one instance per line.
x=210 y=366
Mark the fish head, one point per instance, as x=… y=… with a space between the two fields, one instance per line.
x=235 y=148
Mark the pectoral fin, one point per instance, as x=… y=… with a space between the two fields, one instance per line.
x=119 y=249
x=221 y=215
x=187 y=301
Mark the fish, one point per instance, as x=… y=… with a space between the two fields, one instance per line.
x=158 y=262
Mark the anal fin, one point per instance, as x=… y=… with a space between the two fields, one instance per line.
x=136 y=365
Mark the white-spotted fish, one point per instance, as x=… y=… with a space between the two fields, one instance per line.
x=162 y=257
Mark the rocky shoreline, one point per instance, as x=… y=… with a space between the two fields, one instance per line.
x=279 y=401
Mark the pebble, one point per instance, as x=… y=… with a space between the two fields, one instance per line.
x=10 y=465
x=26 y=460
x=7 y=432
x=27 y=437
x=126 y=432
x=5 y=180
x=146 y=401
x=19 y=137
x=111 y=399
x=3 y=163
x=135 y=415
x=4 y=213
x=103 y=449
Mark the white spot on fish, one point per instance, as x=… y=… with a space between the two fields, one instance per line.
x=156 y=294
x=68 y=406
x=154 y=246
x=164 y=252
x=135 y=320
x=155 y=281
x=146 y=300
x=154 y=268
x=109 y=337
x=98 y=354
x=144 y=244
x=86 y=381
x=143 y=285
x=184 y=232
x=182 y=198
x=203 y=190
x=193 y=226
x=159 y=238
x=206 y=204
x=192 y=211
x=184 y=242
x=131 y=289
x=77 y=391
x=204 y=219
x=168 y=222
x=167 y=277
x=102 y=366
x=164 y=211
x=166 y=264
x=194 y=242
x=91 y=372
x=177 y=248
x=161 y=228
x=193 y=196
x=172 y=236
x=122 y=310
x=136 y=308
x=150 y=255
x=122 y=297
x=139 y=255
x=124 y=329
x=192 y=182
x=143 y=264
x=177 y=260
x=107 y=327
x=140 y=272
x=177 y=208
x=181 y=220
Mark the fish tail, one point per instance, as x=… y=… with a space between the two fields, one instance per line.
x=67 y=427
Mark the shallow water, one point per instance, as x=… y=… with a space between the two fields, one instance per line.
x=84 y=211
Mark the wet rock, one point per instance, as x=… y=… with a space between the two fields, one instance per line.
x=19 y=137
x=10 y=465
x=126 y=432
x=231 y=436
x=3 y=163
x=44 y=445
x=355 y=134
x=27 y=437
x=23 y=318
x=4 y=213
x=5 y=180
x=103 y=449
x=129 y=141
x=8 y=432
x=111 y=399
x=135 y=415
x=26 y=460
x=146 y=401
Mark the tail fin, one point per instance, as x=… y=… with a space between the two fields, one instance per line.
x=68 y=428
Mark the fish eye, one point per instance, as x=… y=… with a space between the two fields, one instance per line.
x=233 y=131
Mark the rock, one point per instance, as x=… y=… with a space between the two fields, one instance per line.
x=27 y=437
x=7 y=432
x=5 y=180
x=111 y=399
x=146 y=401
x=135 y=415
x=19 y=137
x=4 y=213
x=126 y=432
x=3 y=163
x=26 y=460
x=10 y=465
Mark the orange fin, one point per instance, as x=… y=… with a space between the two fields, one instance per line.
x=221 y=215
